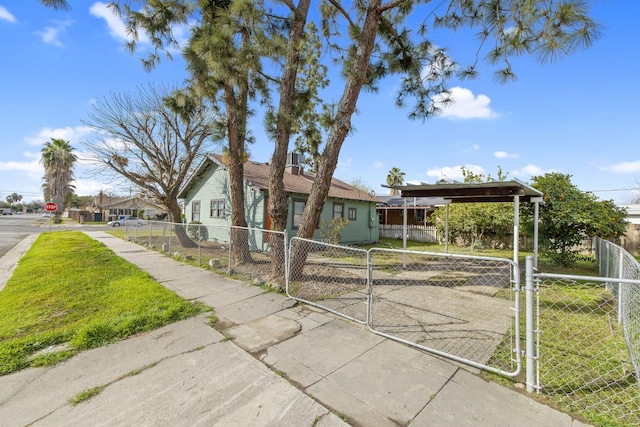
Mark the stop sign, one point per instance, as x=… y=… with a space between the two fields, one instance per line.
x=50 y=207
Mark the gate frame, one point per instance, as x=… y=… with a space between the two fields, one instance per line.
x=515 y=311
x=329 y=309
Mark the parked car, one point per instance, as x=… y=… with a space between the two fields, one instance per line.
x=7 y=212
x=130 y=221
x=47 y=214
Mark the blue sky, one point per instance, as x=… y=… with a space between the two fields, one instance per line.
x=578 y=116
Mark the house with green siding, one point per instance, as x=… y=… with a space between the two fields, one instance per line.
x=208 y=201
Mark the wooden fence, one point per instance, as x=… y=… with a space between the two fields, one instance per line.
x=418 y=233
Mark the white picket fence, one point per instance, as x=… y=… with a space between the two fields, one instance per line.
x=417 y=233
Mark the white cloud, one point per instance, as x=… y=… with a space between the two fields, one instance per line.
x=466 y=105
x=378 y=165
x=117 y=27
x=91 y=188
x=51 y=35
x=454 y=172
x=531 y=170
x=624 y=167
x=505 y=155
x=345 y=163
x=5 y=15
x=440 y=65
x=33 y=169
x=71 y=134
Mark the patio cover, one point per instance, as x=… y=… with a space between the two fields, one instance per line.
x=473 y=192
x=479 y=192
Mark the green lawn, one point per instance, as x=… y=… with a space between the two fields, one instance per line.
x=71 y=290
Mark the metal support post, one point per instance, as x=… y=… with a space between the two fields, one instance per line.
x=516 y=228
x=620 y=285
x=446 y=229
x=529 y=326
x=404 y=233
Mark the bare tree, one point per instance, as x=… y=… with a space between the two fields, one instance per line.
x=153 y=139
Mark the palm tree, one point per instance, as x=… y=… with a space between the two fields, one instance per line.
x=395 y=177
x=58 y=161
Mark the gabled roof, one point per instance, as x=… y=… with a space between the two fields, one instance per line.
x=256 y=175
x=134 y=202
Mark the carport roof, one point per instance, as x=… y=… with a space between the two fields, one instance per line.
x=472 y=192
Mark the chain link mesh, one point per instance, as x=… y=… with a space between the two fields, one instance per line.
x=615 y=262
x=585 y=364
x=329 y=276
x=456 y=305
x=258 y=255
x=250 y=254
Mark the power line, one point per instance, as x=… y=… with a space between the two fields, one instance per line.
x=22 y=193
x=615 y=189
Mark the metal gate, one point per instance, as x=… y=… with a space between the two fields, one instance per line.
x=465 y=308
x=331 y=277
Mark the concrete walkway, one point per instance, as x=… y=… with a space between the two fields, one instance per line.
x=268 y=362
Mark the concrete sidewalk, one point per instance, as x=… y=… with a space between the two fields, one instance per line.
x=284 y=365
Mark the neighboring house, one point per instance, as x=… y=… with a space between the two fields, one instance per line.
x=208 y=201
x=419 y=210
x=110 y=208
x=631 y=240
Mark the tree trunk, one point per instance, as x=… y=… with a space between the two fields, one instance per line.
x=239 y=240
x=175 y=213
x=278 y=207
x=337 y=134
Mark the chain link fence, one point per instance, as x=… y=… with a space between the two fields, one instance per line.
x=588 y=345
x=616 y=263
x=462 y=307
x=329 y=276
x=251 y=254
x=584 y=362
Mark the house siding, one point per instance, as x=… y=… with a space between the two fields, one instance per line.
x=364 y=229
x=360 y=230
x=211 y=187
x=213 y=184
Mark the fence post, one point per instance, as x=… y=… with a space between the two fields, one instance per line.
x=230 y=262
x=620 y=276
x=369 y=290
x=404 y=233
x=200 y=234
x=529 y=326
x=285 y=248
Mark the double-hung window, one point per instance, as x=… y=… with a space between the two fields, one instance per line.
x=217 y=209
x=338 y=210
x=298 y=208
x=195 y=210
x=352 y=214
